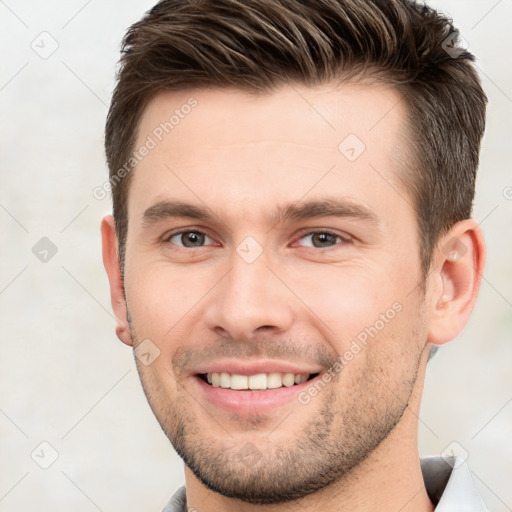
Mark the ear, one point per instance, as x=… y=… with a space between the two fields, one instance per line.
x=458 y=265
x=111 y=263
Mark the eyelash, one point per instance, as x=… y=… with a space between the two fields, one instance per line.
x=344 y=240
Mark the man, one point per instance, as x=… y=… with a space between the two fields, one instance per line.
x=291 y=236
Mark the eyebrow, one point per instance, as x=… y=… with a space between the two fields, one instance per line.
x=327 y=207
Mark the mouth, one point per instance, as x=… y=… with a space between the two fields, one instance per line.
x=255 y=382
x=251 y=392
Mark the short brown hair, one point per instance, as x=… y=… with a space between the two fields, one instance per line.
x=260 y=45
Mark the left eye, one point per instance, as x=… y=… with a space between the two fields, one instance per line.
x=319 y=239
x=189 y=239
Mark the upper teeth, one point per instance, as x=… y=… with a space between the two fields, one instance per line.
x=258 y=381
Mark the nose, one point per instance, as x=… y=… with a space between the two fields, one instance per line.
x=250 y=299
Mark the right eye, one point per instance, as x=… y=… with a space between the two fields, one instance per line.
x=188 y=239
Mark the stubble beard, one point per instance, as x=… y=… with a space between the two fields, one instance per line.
x=343 y=431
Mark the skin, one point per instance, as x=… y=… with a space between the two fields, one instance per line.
x=354 y=445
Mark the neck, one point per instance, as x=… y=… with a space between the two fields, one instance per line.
x=389 y=479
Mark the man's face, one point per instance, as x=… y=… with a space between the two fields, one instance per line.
x=246 y=290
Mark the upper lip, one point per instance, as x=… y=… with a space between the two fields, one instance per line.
x=248 y=367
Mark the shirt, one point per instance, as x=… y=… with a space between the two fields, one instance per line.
x=448 y=481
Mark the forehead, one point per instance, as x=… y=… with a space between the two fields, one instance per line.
x=327 y=111
x=225 y=141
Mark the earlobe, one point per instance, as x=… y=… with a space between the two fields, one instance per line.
x=456 y=276
x=123 y=333
x=117 y=293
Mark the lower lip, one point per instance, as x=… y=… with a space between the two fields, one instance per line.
x=248 y=402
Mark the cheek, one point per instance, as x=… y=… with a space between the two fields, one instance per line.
x=347 y=300
x=162 y=297
x=380 y=361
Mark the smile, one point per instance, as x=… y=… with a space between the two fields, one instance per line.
x=259 y=381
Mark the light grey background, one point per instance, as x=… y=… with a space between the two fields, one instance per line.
x=66 y=380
